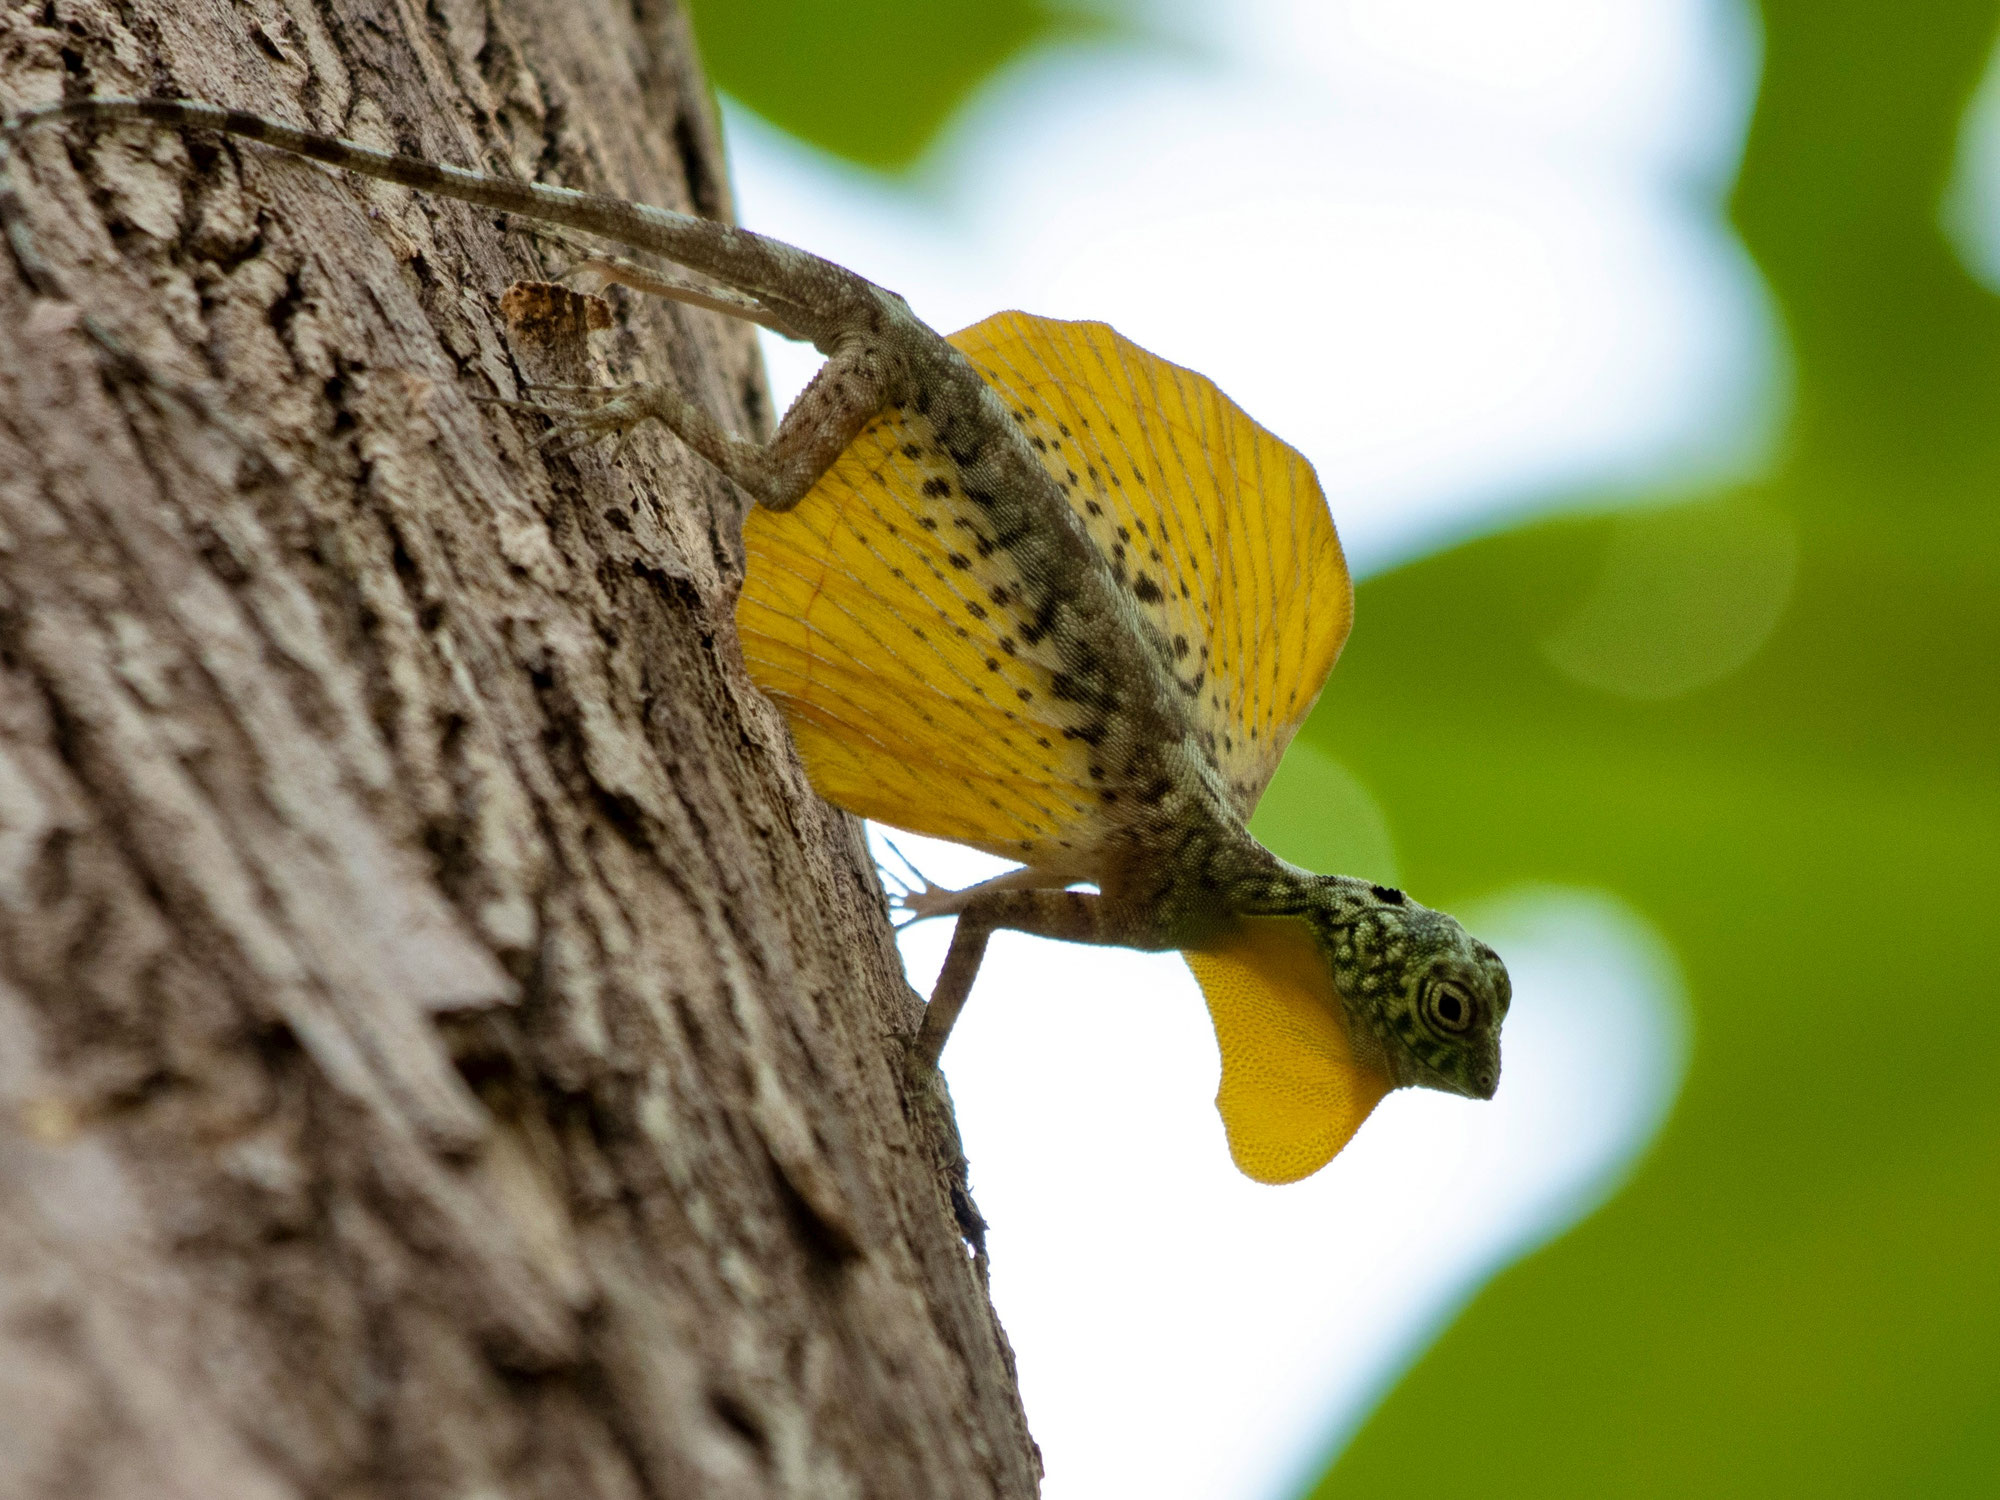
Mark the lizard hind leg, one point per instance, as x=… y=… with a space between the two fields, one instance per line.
x=847 y=392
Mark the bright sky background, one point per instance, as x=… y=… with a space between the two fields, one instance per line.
x=1468 y=255
x=1971 y=208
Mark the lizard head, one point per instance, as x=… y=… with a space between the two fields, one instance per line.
x=1433 y=995
x=1328 y=992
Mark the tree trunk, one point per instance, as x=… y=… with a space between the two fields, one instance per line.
x=445 y=1047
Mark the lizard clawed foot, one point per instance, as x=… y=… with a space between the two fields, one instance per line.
x=620 y=411
x=930 y=901
x=912 y=893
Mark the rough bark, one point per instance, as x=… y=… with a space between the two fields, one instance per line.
x=445 y=1047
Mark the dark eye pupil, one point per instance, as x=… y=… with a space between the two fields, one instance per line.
x=1450 y=1010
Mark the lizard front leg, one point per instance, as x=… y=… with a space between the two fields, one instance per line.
x=1068 y=916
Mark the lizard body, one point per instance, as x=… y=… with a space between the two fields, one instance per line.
x=956 y=594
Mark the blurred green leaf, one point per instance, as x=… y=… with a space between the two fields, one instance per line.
x=1769 y=721
x=1772 y=723
x=1317 y=814
x=871 y=80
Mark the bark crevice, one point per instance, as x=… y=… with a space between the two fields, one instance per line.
x=445 y=1048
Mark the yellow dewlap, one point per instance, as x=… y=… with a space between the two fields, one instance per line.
x=1293 y=1090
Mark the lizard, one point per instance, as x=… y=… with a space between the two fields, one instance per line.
x=1039 y=591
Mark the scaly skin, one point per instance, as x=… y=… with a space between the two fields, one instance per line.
x=1179 y=866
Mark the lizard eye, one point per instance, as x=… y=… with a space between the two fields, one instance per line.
x=1447 y=1008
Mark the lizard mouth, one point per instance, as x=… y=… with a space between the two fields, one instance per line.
x=1483 y=1081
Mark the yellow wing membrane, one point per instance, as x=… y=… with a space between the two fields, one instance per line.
x=1207 y=518
x=884 y=625
x=886 y=635
x=1296 y=1081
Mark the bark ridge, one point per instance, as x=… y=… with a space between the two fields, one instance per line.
x=445 y=1048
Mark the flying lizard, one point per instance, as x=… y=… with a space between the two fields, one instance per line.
x=1034 y=589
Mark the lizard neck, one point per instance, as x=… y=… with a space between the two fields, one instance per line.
x=1368 y=933
x=1216 y=873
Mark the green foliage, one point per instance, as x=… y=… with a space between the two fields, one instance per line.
x=1796 y=1295
x=1770 y=721
x=870 y=80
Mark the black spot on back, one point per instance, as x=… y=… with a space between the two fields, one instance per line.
x=1042 y=624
